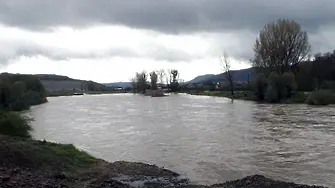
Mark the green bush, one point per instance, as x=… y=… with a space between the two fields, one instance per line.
x=19 y=92
x=320 y=97
x=13 y=124
x=33 y=97
x=329 y=85
x=19 y=105
x=297 y=97
x=271 y=94
x=260 y=87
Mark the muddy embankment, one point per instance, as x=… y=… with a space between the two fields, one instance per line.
x=40 y=164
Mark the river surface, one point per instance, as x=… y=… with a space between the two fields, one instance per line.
x=207 y=139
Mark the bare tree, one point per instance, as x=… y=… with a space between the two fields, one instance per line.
x=168 y=76
x=226 y=65
x=281 y=45
x=161 y=75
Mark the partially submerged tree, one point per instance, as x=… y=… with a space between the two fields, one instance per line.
x=226 y=65
x=174 y=85
x=153 y=80
x=279 y=50
x=133 y=84
x=281 y=45
x=141 y=82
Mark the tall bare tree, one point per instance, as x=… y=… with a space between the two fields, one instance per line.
x=168 y=76
x=226 y=66
x=161 y=75
x=281 y=45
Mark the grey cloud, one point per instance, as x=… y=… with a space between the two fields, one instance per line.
x=167 y=16
x=13 y=49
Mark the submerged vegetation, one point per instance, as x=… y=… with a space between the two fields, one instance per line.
x=282 y=63
x=283 y=70
x=321 y=97
x=157 y=84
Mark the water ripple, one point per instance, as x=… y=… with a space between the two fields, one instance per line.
x=208 y=139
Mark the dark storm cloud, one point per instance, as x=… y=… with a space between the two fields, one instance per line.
x=166 y=15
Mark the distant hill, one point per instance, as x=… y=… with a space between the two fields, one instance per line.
x=238 y=76
x=118 y=84
x=55 y=83
x=202 y=78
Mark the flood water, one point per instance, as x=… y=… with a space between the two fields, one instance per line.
x=207 y=139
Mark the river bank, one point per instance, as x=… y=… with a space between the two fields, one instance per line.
x=31 y=163
x=70 y=93
x=297 y=97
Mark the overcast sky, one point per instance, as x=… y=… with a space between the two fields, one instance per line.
x=109 y=40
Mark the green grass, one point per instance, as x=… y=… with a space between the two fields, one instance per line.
x=13 y=124
x=70 y=93
x=296 y=98
x=42 y=155
x=243 y=95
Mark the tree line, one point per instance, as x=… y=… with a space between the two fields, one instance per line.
x=161 y=79
x=19 y=92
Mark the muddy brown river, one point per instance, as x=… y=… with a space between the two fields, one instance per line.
x=207 y=139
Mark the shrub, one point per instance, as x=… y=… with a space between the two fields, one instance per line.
x=329 y=85
x=33 y=97
x=19 y=105
x=297 y=97
x=13 y=124
x=271 y=94
x=320 y=97
x=260 y=85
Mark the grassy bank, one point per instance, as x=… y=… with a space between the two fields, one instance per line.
x=31 y=163
x=69 y=93
x=296 y=98
x=243 y=95
x=42 y=155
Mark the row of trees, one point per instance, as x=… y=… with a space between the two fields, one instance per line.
x=158 y=79
x=283 y=63
x=19 y=92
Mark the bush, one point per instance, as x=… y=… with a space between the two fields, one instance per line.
x=33 y=97
x=19 y=105
x=328 y=85
x=13 y=124
x=260 y=85
x=297 y=97
x=271 y=94
x=320 y=97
